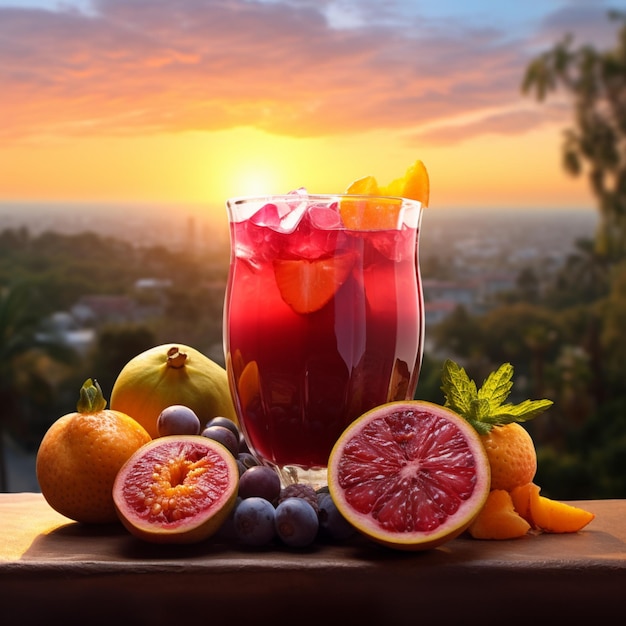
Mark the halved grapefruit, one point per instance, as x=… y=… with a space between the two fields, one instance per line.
x=410 y=475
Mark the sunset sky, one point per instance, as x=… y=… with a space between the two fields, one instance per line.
x=193 y=101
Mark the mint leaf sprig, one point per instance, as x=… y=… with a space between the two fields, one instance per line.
x=485 y=408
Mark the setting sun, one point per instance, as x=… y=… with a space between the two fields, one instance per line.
x=245 y=98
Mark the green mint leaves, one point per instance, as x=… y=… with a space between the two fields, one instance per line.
x=485 y=408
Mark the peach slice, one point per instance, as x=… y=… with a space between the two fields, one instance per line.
x=552 y=516
x=498 y=519
x=521 y=497
x=548 y=515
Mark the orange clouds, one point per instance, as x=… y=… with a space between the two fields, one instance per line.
x=198 y=99
x=143 y=67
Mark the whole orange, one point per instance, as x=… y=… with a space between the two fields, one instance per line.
x=81 y=454
x=512 y=456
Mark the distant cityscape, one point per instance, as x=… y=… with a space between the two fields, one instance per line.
x=482 y=252
x=173 y=226
x=478 y=236
x=485 y=251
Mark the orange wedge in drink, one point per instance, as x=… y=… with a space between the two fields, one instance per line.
x=384 y=212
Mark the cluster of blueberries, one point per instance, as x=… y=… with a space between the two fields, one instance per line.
x=264 y=511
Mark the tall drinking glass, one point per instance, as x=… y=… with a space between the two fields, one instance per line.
x=323 y=319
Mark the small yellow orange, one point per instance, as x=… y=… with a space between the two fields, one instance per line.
x=80 y=455
x=512 y=456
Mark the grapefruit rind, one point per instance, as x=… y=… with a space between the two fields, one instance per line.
x=176 y=489
x=387 y=467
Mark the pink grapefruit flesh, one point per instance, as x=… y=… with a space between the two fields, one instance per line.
x=410 y=475
x=176 y=489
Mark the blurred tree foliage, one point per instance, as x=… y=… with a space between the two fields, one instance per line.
x=25 y=387
x=40 y=375
x=565 y=336
x=596 y=83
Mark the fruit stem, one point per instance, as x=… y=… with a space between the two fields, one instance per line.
x=91 y=399
x=176 y=358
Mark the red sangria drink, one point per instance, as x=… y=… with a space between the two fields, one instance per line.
x=323 y=319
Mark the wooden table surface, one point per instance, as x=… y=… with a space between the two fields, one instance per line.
x=54 y=569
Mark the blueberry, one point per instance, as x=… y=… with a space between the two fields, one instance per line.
x=331 y=521
x=254 y=521
x=296 y=522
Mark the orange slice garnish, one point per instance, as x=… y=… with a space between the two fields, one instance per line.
x=306 y=286
x=383 y=214
x=414 y=185
x=367 y=186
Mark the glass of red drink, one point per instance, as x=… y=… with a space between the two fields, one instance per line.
x=323 y=319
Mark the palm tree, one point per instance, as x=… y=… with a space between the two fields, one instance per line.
x=20 y=320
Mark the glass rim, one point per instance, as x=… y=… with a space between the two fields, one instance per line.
x=322 y=197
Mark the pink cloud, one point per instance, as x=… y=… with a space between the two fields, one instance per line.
x=505 y=123
x=141 y=67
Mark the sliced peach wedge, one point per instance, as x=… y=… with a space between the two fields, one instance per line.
x=498 y=519
x=547 y=515
x=521 y=497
